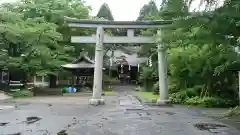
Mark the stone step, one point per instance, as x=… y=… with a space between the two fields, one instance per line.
x=129 y=102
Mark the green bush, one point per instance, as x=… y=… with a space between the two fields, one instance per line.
x=233 y=112
x=64 y=90
x=148 y=78
x=156 y=88
x=209 y=102
x=110 y=81
x=189 y=97
x=22 y=93
x=178 y=98
x=191 y=92
x=182 y=95
x=137 y=88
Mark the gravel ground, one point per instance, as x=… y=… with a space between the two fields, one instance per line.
x=122 y=115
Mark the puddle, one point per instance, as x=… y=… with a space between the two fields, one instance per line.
x=105 y=118
x=4 y=123
x=134 y=109
x=146 y=118
x=31 y=120
x=62 y=132
x=22 y=104
x=139 y=114
x=208 y=126
x=99 y=125
x=148 y=113
x=44 y=131
x=15 y=133
x=170 y=113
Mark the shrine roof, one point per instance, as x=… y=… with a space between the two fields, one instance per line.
x=83 y=58
x=81 y=62
x=77 y=66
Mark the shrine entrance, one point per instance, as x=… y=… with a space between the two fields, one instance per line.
x=100 y=38
x=127 y=73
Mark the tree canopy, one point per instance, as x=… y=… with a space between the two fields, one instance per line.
x=202 y=62
x=34 y=37
x=105 y=12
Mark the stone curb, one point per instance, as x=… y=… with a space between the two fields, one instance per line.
x=148 y=102
x=143 y=101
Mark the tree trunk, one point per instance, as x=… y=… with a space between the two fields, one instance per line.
x=52 y=81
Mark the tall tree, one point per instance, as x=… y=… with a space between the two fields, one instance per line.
x=171 y=9
x=105 y=12
x=148 y=11
x=200 y=50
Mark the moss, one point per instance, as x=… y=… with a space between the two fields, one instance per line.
x=148 y=96
x=109 y=92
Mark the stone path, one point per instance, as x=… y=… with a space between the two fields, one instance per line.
x=122 y=115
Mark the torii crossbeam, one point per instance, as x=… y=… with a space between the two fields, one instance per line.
x=100 y=39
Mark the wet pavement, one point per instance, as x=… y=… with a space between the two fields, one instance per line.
x=122 y=115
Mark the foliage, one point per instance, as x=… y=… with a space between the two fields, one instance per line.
x=156 y=88
x=232 y=112
x=110 y=81
x=200 y=48
x=181 y=96
x=209 y=102
x=148 y=11
x=33 y=35
x=105 y=12
x=147 y=77
x=22 y=93
x=64 y=90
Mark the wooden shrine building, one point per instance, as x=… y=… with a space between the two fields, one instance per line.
x=82 y=70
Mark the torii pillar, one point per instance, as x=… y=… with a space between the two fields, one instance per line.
x=100 y=39
x=98 y=72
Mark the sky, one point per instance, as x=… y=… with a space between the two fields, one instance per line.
x=127 y=10
x=123 y=10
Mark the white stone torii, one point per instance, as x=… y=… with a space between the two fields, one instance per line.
x=100 y=39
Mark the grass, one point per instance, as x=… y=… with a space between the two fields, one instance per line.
x=148 y=95
x=109 y=92
x=21 y=94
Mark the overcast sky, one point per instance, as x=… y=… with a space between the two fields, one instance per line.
x=126 y=10
x=122 y=10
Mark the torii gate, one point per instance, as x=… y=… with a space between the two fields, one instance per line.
x=100 y=39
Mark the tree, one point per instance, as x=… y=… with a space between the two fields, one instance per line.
x=35 y=34
x=148 y=11
x=54 y=11
x=105 y=12
x=31 y=43
x=201 y=58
